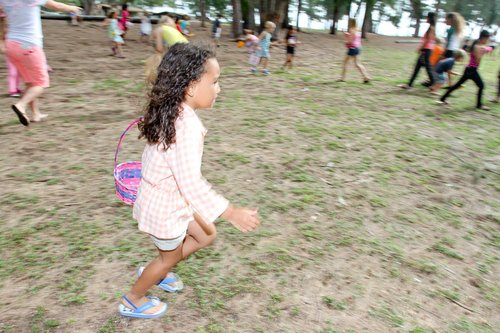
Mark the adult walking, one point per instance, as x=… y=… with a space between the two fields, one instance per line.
x=24 y=48
x=425 y=50
x=454 y=33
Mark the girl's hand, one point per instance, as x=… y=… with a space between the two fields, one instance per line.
x=243 y=219
x=74 y=9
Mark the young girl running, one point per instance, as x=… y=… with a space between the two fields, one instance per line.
x=146 y=27
x=425 y=50
x=123 y=23
x=265 y=43
x=175 y=205
x=115 y=34
x=477 y=50
x=353 y=44
x=252 y=44
x=291 y=42
x=443 y=67
x=454 y=33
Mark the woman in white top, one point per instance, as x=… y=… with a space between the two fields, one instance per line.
x=24 y=48
x=454 y=33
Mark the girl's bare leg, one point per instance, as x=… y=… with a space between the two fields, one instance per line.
x=154 y=272
x=31 y=93
x=119 y=50
x=344 y=67
x=361 y=68
x=36 y=115
x=289 y=59
x=196 y=238
x=264 y=63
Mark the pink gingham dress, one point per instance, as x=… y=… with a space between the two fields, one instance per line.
x=172 y=187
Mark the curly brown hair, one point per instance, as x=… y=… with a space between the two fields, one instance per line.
x=181 y=66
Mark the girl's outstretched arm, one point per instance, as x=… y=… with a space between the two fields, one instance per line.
x=243 y=219
x=61 y=7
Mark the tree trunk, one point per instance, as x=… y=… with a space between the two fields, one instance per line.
x=286 y=18
x=368 y=18
x=336 y=14
x=358 y=9
x=417 y=27
x=263 y=13
x=251 y=14
x=299 y=8
x=88 y=6
x=279 y=16
x=236 y=31
x=438 y=6
x=203 y=12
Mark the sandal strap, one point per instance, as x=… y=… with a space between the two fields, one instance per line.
x=168 y=280
x=129 y=302
x=146 y=306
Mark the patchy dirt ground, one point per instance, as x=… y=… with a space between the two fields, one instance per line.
x=379 y=210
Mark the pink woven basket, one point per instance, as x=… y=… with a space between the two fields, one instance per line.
x=127 y=174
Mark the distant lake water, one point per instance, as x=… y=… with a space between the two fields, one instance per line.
x=405 y=28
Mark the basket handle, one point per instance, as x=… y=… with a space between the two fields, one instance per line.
x=123 y=135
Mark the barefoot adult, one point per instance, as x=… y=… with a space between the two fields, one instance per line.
x=24 y=48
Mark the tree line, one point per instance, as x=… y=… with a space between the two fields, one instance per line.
x=242 y=12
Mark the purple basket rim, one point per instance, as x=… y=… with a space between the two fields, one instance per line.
x=117 y=180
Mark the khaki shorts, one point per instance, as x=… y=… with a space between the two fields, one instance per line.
x=168 y=244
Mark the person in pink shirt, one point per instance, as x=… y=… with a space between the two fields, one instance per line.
x=13 y=76
x=424 y=51
x=477 y=50
x=353 y=44
x=252 y=45
x=124 y=20
x=175 y=205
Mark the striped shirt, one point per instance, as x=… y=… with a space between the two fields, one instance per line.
x=172 y=187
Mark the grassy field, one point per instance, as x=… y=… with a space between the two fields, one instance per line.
x=379 y=209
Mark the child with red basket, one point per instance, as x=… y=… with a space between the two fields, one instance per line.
x=175 y=205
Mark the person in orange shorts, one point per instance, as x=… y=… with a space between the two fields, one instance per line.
x=23 y=47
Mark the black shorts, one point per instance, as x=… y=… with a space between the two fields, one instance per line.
x=290 y=50
x=449 y=53
x=353 y=51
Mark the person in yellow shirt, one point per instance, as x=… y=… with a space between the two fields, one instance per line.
x=167 y=35
x=164 y=36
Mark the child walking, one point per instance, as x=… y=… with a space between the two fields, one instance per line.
x=291 y=42
x=217 y=30
x=115 y=34
x=477 y=50
x=264 y=45
x=446 y=66
x=353 y=44
x=425 y=50
x=252 y=44
x=123 y=23
x=175 y=205
x=146 y=28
